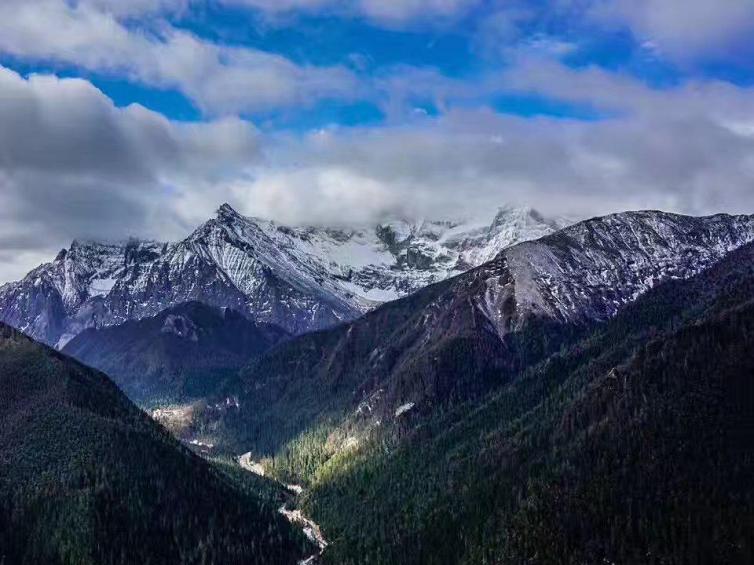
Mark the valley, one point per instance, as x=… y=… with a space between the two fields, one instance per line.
x=505 y=414
x=376 y=282
x=295 y=517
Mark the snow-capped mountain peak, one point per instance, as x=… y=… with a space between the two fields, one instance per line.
x=590 y=270
x=299 y=277
x=227 y=211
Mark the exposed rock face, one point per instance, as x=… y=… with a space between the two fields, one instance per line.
x=301 y=279
x=591 y=269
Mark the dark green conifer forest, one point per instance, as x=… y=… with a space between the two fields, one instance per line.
x=630 y=441
x=88 y=478
x=627 y=441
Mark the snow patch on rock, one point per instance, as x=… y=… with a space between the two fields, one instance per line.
x=403 y=408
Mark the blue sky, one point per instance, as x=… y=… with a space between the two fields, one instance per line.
x=456 y=49
x=322 y=111
x=465 y=44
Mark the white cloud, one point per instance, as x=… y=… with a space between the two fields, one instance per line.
x=687 y=149
x=317 y=194
x=385 y=12
x=133 y=8
x=714 y=101
x=73 y=165
x=279 y=6
x=399 y=11
x=684 y=29
x=220 y=79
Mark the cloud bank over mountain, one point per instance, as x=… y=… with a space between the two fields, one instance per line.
x=140 y=118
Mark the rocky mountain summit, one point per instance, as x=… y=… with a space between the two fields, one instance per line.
x=300 y=278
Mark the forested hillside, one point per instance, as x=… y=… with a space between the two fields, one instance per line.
x=632 y=443
x=86 y=477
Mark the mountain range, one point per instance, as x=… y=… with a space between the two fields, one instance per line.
x=464 y=336
x=579 y=399
x=632 y=442
x=299 y=278
x=436 y=393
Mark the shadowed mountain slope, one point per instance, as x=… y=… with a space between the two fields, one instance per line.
x=182 y=353
x=86 y=477
x=633 y=443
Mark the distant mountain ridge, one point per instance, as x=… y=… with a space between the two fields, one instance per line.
x=568 y=378
x=183 y=353
x=301 y=279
